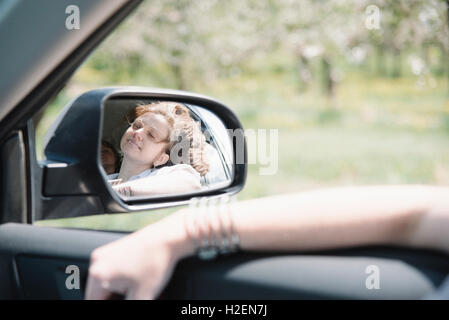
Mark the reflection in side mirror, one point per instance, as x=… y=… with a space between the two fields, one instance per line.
x=114 y=150
x=152 y=148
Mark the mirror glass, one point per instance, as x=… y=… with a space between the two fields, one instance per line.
x=156 y=148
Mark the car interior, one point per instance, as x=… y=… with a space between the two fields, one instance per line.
x=34 y=259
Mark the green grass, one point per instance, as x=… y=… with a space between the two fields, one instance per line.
x=112 y=222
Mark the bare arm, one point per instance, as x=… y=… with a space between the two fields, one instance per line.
x=415 y=216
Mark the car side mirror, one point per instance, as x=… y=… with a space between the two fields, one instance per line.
x=149 y=134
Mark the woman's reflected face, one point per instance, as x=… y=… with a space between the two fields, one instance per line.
x=146 y=138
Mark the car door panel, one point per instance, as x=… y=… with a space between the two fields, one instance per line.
x=50 y=39
x=34 y=260
x=338 y=274
x=45 y=278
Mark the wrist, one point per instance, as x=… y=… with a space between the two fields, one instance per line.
x=181 y=243
x=172 y=233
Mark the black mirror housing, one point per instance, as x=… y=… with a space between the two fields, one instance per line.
x=73 y=180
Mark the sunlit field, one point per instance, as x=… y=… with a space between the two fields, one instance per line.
x=384 y=121
x=383 y=131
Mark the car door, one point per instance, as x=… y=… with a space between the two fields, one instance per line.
x=45 y=263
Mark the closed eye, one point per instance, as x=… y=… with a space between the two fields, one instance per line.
x=136 y=125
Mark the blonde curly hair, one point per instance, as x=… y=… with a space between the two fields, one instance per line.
x=182 y=128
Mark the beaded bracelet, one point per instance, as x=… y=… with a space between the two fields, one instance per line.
x=210 y=227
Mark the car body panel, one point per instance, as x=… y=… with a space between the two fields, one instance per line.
x=39 y=45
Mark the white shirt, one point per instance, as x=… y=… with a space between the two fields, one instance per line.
x=163 y=171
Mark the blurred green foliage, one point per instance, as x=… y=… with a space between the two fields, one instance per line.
x=381 y=117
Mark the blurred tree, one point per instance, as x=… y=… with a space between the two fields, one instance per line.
x=409 y=27
x=194 y=40
x=181 y=43
x=325 y=30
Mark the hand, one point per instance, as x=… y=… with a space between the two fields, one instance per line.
x=115 y=182
x=123 y=189
x=138 y=266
